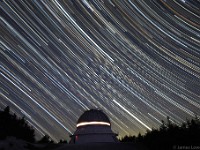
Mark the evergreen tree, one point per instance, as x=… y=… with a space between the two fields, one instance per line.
x=11 y=125
x=45 y=139
x=169 y=135
x=63 y=142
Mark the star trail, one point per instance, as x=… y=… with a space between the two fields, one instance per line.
x=138 y=61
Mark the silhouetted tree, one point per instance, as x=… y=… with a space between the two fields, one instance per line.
x=170 y=135
x=11 y=125
x=128 y=139
x=139 y=138
x=63 y=142
x=45 y=139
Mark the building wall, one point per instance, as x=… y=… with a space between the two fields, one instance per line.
x=94 y=138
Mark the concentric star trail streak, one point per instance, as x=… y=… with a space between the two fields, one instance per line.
x=138 y=61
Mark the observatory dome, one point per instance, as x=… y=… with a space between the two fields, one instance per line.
x=93 y=117
x=93 y=126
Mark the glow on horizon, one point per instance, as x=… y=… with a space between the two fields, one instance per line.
x=92 y=123
x=132 y=115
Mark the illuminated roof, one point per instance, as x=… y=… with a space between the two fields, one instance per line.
x=93 y=117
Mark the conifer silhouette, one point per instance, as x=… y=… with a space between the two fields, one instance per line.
x=11 y=125
x=169 y=135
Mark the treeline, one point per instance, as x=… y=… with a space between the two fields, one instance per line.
x=13 y=126
x=170 y=136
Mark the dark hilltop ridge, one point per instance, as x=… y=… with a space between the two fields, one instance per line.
x=93 y=131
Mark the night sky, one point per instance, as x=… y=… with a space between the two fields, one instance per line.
x=138 y=61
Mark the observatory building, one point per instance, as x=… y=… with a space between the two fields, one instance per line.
x=93 y=126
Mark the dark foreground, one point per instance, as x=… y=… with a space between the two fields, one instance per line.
x=14 y=144
x=102 y=146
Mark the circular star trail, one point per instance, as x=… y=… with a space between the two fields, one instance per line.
x=138 y=61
